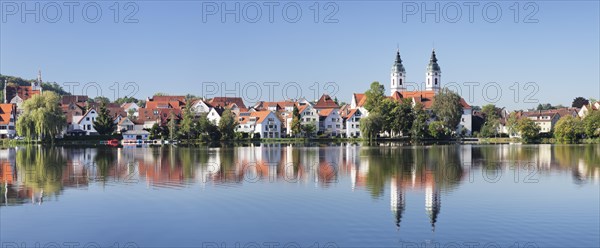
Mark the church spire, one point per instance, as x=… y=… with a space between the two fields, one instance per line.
x=37 y=84
x=433 y=77
x=398 y=75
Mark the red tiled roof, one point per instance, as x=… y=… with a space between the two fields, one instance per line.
x=7 y=110
x=326 y=102
x=147 y=114
x=227 y=101
x=167 y=99
x=24 y=92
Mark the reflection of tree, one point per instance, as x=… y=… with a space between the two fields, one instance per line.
x=442 y=162
x=583 y=160
x=105 y=160
x=41 y=168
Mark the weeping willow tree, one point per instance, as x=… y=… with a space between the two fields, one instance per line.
x=42 y=117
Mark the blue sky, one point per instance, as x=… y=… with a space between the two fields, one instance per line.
x=172 y=49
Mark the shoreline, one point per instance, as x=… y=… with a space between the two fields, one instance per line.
x=96 y=142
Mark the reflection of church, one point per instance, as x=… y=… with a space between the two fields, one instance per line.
x=433 y=203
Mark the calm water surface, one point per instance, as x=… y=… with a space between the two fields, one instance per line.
x=287 y=196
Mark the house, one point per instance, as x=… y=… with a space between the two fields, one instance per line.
x=308 y=115
x=543 y=118
x=200 y=107
x=125 y=124
x=17 y=94
x=8 y=117
x=214 y=115
x=351 y=120
x=170 y=102
x=148 y=117
x=83 y=124
x=330 y=122
x=235 y=104
x=130 y=107
x=136 y=136
x=68 y=99
x=586 y=109
x=264 y=123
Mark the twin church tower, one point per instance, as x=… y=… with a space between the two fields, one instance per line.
x=432 y=77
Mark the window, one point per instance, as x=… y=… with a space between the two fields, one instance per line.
x=436 y=81
x=87 y=118
x=400 y=80
x=89 y=127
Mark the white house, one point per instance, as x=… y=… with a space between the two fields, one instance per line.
x=125 y=124
x=214 y=115
x=352 y=122
x=586 y=109
x=200 y=107
x=308 y=115
x=130 y=107
x=265 y=123
x=330 y=122
x=84 y=123
x=136 y=135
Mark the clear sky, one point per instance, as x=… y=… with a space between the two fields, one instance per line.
x=179 y=46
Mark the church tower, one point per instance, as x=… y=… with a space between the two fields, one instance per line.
x=37 y=84
x=433 y=78
x=398 y=76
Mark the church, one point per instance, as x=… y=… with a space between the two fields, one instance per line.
x=433 y=85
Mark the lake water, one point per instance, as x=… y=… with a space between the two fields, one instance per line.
x=275 y=195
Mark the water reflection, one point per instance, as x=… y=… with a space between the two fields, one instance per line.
x=35 y=174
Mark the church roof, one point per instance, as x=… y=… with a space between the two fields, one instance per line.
x=433 y=65
x=398 y=67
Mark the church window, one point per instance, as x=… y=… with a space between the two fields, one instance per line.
x=436 y=81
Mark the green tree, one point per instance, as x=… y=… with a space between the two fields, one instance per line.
x=188 y=126
x=155 y=131
x=403 y=117
x=438 y=130
x=568 y=128
x=104 y=123
x=172 y=124
x=386 y=111
x=528 y=129
x=42 y=117
x=447 y=108
x=227 y=125
x=101 y=100
x=375 y=96
x=419 y=126
x=579 y=101
x=309 y=130
x=371 y=125
x=511 y=123
x=296 y=124
x=208 y=131
x=492 y=121
x=591 y=124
